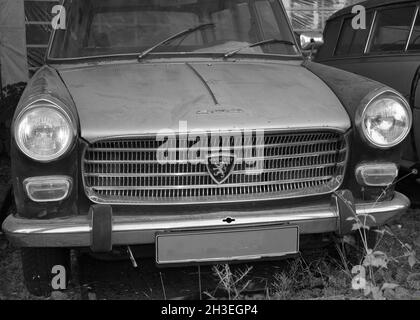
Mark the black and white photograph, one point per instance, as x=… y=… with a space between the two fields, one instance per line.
x=218 y=156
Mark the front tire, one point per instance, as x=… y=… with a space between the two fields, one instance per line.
x=37 y=265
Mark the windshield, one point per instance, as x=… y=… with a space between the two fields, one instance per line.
x=114 y=27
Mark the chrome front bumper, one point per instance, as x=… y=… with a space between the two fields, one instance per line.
x=141 y=229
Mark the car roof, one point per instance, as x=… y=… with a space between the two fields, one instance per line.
x=368 y=5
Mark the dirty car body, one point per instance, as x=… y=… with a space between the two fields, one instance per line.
x=210 y=157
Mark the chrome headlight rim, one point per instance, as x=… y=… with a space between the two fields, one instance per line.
x=366 y=103
x=53 y=105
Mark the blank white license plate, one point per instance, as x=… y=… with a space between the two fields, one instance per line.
x=226 y=245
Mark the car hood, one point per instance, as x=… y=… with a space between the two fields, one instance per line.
x=146 y=98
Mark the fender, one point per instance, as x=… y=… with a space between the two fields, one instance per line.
x=46 y=84
x=415 y=105
x=350 y=88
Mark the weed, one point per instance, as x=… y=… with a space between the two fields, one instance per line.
x=233 y=284
x=370 y=275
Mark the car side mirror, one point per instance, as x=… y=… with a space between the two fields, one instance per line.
x=310 y=43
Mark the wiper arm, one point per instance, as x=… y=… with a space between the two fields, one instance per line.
x=173 y=37
x=258 y=44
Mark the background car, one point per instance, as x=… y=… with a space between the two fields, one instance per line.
x=387 y=50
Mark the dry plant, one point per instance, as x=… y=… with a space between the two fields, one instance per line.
x=373 y=261
x=233 y=284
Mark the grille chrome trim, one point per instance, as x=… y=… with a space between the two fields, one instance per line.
x=298 y=164
x=239 y=159
x=215 y=148
x=211 y=186
x=117 y=175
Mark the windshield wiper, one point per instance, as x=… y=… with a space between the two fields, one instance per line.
x=258 y=44
x=173 y=37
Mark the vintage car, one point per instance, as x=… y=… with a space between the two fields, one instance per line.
x=195 y=127
x=387 y=50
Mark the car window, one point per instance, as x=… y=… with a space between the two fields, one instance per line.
x=121 y=29
x=330 y=39
x=269 y=25
x=392 y=29
x=415 y=37
x=353 y=41
x=112 y=27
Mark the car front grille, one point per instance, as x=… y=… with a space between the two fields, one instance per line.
x=126 y=171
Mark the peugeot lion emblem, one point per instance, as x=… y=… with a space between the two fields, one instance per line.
x=220 y=167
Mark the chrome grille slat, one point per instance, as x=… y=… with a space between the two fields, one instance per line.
x=290 y=155
x=126 y=171
x=210 y=148
x=212 y=186
x=201 y=174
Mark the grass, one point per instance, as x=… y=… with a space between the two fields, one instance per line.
x=322 y=276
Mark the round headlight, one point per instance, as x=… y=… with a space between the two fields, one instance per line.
x=386 y=120
x=44 y=132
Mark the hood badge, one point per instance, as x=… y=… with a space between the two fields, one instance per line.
x=220 y=111
x=220 y=167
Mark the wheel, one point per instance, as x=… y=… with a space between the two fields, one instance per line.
x=6 y=204
x=37 y=265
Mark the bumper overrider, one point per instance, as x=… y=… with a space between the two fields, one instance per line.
x=100 y=230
